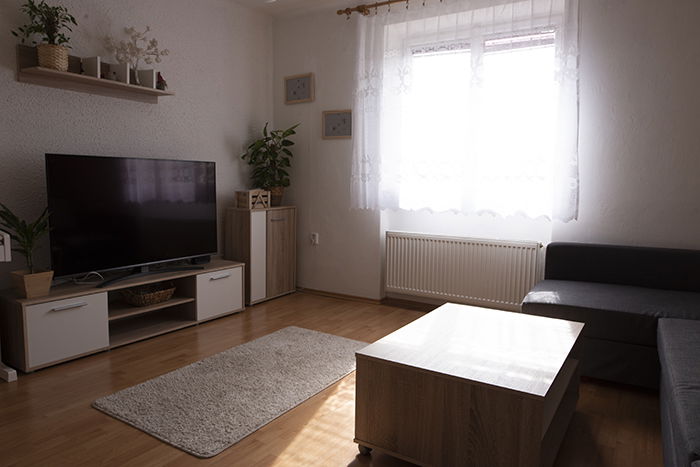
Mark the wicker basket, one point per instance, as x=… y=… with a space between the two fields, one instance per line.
x=52 y=56
x=146 y=295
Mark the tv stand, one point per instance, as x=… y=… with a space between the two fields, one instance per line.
x=75 y=320
x=145 y=271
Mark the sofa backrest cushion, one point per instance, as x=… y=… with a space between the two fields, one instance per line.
x=660 y=268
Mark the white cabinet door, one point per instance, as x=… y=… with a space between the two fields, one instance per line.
x=66 y=328
x=258 y=255
x=219 y=292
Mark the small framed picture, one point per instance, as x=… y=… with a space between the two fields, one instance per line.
x=299 y=88
x=337 y=124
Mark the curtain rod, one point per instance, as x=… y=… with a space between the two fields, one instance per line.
x=365 y=10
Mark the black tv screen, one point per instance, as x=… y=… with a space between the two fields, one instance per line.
x=114 y=212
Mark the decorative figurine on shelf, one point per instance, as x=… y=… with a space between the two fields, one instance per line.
x=161 y=83
x=137 y=48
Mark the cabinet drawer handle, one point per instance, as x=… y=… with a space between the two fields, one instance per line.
x=220 y=276
x=69 y=306
x=278 y=219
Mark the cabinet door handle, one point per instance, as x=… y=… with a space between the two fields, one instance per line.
x=220 y=276
x=69 y=306
x=278 y=219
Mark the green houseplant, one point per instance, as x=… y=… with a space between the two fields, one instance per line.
x=30 y=282
x=50 y=24
x=270 y=158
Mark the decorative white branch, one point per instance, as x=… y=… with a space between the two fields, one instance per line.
x=139 y=47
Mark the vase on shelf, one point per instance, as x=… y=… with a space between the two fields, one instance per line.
x=135 y=76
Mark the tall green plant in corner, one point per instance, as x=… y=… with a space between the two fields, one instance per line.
x=27 y=235
x=270 y=157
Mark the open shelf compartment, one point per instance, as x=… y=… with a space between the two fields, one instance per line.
x=129 y=323
x=120 y=310
x=136 y=328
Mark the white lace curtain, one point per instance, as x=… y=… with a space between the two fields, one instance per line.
x=468 y=106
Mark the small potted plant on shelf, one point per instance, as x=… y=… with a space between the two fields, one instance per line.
x=30 y=282
x=270 y=157
x=50 y=24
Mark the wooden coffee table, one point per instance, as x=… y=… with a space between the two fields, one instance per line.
x=469 y=386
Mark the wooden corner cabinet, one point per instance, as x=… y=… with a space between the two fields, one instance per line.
x=265 y=240
x=77 y=320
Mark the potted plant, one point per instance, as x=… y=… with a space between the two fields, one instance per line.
x=270 y=157
x=50 y=23
x=30 y=282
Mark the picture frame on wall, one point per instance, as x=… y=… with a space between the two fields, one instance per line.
x=337 y=124
x=299 y=88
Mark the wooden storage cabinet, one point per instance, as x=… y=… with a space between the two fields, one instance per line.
x=66 y=328
x=218 y=291
x=265 y=240
x=76 y=320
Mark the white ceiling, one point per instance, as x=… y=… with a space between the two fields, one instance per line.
x=296 y=7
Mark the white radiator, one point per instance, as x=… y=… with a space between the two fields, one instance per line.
x=476 y=271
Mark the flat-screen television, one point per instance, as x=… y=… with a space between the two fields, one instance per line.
x=109 y=213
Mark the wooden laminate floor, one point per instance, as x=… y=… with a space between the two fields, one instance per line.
x=46 y=418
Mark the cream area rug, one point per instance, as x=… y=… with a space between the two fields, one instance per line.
x=207 y=406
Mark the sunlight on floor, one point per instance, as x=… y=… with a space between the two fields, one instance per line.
x=322 y=424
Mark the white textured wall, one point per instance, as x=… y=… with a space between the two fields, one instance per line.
x=640 y=124
x=220 y=67
x=347 y=260
x=640 y=142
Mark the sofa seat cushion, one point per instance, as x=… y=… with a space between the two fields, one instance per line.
x=679 y=353
x=620 y=313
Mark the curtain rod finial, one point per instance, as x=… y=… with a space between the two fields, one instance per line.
x=364 y=10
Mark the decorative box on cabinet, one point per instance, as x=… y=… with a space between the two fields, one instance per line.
x=265 y=240
x=77 y=320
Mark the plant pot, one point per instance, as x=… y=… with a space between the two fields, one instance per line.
x=32 y=285
x=52 y=56
x=276 y=193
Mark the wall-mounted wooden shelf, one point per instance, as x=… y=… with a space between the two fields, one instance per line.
x=29 y=72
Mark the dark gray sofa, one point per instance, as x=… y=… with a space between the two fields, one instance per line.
x=679 y=352
x=620 y=293
x=641 y=307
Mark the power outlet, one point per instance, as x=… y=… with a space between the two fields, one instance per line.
x=314 y=238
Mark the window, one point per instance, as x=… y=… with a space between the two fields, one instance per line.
x=479 y=126
x=469 y=110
